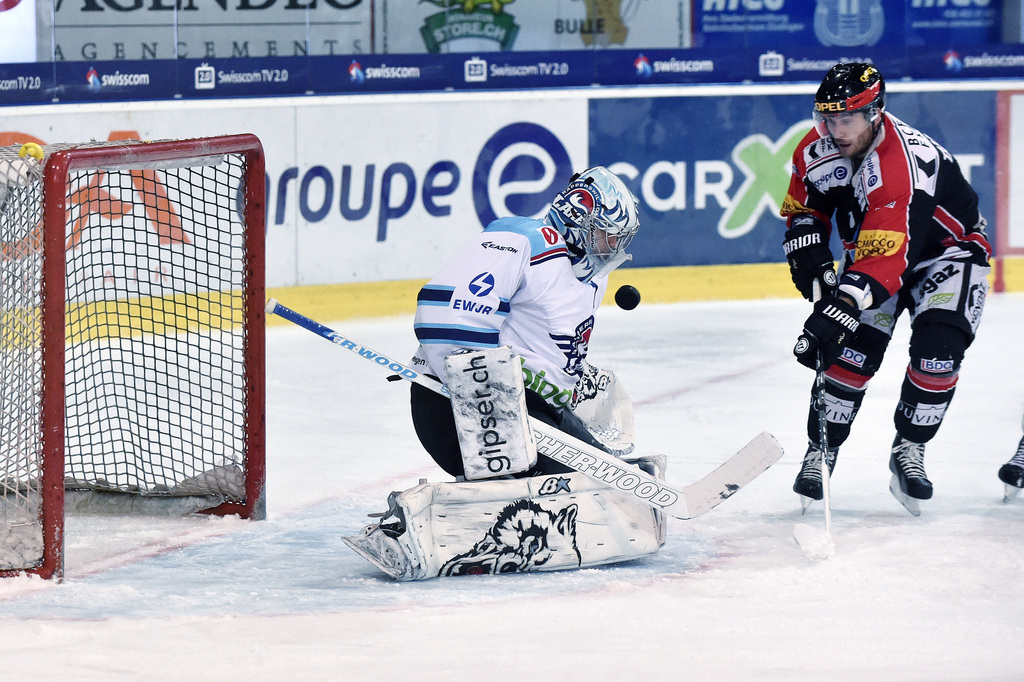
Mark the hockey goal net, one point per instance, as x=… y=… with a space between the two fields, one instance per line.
x=131 y=336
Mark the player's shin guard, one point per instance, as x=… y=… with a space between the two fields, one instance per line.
x=842 y=402
x=543 y=523
x=924 y=399
x=936 y=351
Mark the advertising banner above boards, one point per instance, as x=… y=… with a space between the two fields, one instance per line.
x=847 y=25
x=107 y=30
x=140 y=80
x=112 y=30
x=439 y=26
x=115 y=30
x=370 y=189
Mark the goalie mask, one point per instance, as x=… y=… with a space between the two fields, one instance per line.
x=597 y=216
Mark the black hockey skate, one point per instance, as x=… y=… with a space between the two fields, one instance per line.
x=808 y=482
x=909 y=482
x=1012 y=474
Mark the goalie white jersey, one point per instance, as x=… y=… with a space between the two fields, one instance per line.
x=513 y=286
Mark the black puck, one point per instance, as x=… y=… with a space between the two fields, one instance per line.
x=627 y=297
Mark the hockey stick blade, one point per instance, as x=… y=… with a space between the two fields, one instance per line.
x=682 y=503
x=816 y=543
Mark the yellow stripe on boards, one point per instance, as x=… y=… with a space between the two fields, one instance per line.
x=656 y=285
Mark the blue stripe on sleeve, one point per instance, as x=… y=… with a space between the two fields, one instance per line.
x=435 y=295
x=480 y=337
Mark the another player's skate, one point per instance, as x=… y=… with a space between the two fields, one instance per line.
x=909 y=482
x=808 y=484
x=1012 y=474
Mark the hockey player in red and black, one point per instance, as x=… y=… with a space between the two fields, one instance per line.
x=912 y=240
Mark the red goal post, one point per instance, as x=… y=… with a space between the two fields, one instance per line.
x=132 y=336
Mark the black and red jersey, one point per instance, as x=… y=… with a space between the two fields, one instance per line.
x=903 y=206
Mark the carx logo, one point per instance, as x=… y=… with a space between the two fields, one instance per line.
x=667 y=186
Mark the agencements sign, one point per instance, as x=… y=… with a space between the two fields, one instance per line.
x=87 y=30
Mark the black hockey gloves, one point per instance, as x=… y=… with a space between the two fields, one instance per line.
x=829 y=328
x=810 y=259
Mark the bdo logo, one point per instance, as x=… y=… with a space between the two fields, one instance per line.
x=518 y=172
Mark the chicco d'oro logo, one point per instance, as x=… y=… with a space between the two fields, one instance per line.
x=505 y=179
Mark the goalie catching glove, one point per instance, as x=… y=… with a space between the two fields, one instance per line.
x=810 y=259
x=829 y=329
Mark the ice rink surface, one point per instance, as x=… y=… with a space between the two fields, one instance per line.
x=731 y=596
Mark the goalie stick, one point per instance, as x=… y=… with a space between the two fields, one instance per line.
x=683 y=503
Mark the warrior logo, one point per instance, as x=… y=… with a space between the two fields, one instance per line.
x=524 y=538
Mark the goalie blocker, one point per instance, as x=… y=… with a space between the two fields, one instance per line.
x=542 y=523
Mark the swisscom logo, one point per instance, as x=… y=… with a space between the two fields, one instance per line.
x=95 y=81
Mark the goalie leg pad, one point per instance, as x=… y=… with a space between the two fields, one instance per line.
x=489 y=405
x=543 y=523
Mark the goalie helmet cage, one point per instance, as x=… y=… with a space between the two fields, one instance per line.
x=132 y=336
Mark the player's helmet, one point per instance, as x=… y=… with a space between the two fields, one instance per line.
x=847 y=88
x=597 y=216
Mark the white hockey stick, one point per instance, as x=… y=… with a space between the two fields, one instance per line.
x=682 y=503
